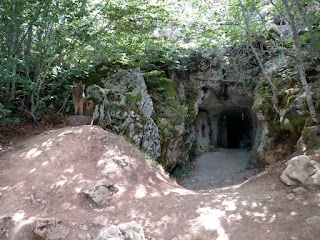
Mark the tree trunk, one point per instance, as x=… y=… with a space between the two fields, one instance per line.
x=275 y=90
x=308 y=24
x=300 y=62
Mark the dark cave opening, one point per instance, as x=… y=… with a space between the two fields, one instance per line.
x=235 y=129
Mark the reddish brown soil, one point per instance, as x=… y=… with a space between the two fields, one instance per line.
x=45 y=175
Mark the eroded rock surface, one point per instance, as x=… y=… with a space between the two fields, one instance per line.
x=303 y=169
x=125 y=231
x=5 y=222
x=125 y=106
x=50 y=229
x=101 y=192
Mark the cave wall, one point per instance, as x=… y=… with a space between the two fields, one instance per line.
x=227 y=107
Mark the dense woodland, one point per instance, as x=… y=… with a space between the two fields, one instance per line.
x=47 y=44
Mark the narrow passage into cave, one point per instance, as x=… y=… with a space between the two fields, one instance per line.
x=226 y=141
x=234 y=129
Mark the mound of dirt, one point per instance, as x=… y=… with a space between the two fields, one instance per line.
x=76 y=182
x=51 y=174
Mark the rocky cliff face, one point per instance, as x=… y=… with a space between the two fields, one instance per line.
x=200 y=110
x=171 y=117
x=124 y=106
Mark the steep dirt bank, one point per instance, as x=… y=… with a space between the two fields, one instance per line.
x=45 y=176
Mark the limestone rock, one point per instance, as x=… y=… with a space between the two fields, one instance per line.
x=143 y=132
x=101 y=192
x=303 y=169
x=299 y=190
x=132 y=231
x=111 y=233
x=287 y=180
x=291 y=196
x=5 y=222
x=314 y=221
x=125 y=107
x=125 y=231
x=50 y=229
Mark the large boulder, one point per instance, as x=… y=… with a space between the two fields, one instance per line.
x=303 y=169
x=124 y=106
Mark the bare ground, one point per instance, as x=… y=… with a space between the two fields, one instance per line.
x=222 y=168
x=45 y=176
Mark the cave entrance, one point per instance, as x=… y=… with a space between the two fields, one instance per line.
x=235 y=129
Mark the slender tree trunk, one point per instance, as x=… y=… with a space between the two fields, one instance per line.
x=308 y=24
x=246 y=19
x=300 y=62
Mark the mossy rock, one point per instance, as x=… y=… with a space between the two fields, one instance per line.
x=310 y=136
x=94 y=78
x=262 y=98
x=287 y=96
x=296 y=121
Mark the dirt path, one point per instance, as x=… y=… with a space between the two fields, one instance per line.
x=45 y=176
x=223 y=168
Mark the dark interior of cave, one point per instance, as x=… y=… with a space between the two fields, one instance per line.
x=235 y=129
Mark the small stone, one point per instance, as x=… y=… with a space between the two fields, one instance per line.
x=293 y=238
x=100 y=220
x=111 y=209
x=101 y=193
x=299 y=190
x=5 y=222
x=267 y=197
x=291 y=196
x=314 y=221
x=50 y=228
x=1 y=194
x=273 y=187
x=84 y=227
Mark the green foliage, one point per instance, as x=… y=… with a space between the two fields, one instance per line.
x=5 y=116
x=263 y=97
x=296 y=121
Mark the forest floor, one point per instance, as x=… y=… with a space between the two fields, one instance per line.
x=45 y=176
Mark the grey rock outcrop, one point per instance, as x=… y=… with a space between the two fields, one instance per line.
x=303 y=169
x=125 y=107
x=50 y=229
x=101 y=192
x=125 y=231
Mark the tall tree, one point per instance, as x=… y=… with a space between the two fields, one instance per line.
x=308 y=24
x=300 y=63
x=248 y=34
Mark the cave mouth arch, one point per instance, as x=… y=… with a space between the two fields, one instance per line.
x=235 y=129
x=227 y=127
